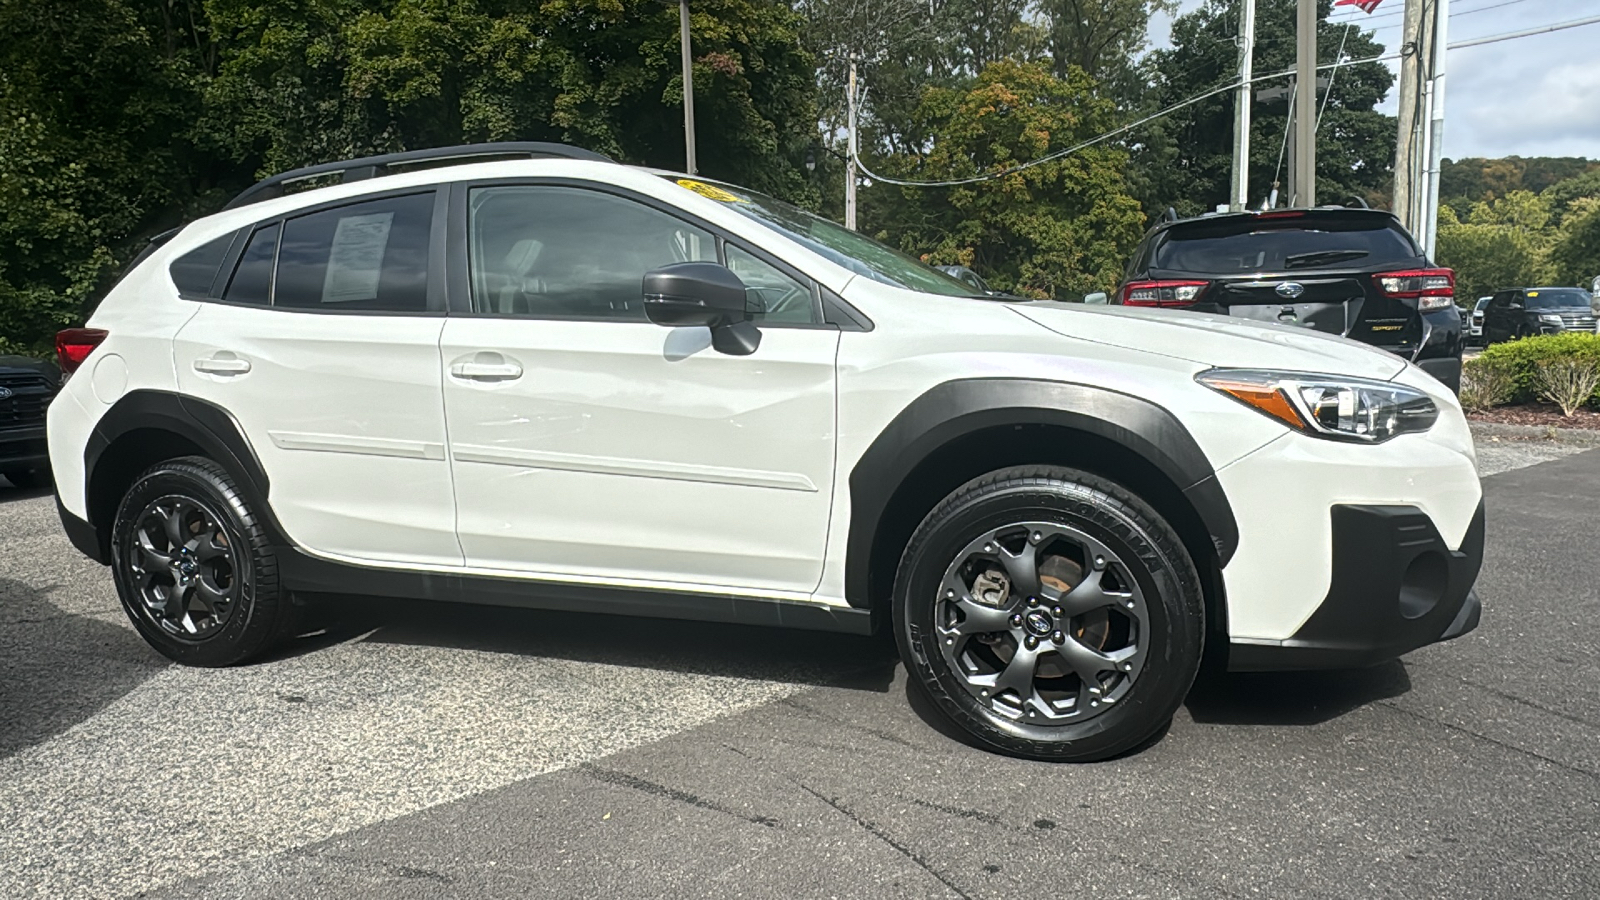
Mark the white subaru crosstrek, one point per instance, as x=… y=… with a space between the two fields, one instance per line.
x=524 y=374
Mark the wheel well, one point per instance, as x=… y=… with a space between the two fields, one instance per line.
x=120 y=463
x=985 y=450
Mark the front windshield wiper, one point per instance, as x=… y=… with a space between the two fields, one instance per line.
x=1300 y=260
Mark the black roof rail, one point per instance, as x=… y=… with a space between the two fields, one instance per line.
x=1171 y=215
x=374 y=166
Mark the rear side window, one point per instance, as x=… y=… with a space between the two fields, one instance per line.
x=1241 y=246
x=252 y=279
x=370 y=256
x=195 y=271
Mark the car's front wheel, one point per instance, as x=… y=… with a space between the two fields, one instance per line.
x=1050 y=613
x=194 y=568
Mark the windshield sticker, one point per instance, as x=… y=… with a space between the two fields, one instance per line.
x=1533 y=293
x=355 y=261
x=709 y=191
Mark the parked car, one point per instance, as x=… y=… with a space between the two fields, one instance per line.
x=26 y=388
x=1520 y=312
x=1350 y=272
x=1475 y=325
x=964 y=274
x=559 y=382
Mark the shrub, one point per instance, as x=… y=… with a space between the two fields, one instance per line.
x=1567 y=382
x=1521 y=358
x=1486 y=383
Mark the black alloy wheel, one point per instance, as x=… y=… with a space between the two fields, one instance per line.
x=194 y=568
x=1050 y=613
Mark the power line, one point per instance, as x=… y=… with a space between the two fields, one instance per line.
x=1232 y=85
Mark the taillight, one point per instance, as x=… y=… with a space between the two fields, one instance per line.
x=73 y=346
x=1433 y=289
x=1162 y=293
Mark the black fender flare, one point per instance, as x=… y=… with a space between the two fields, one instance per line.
x=203 y=424
x=956 y=408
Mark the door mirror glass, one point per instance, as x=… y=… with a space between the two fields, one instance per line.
x=702 y=294
x=1097 y=298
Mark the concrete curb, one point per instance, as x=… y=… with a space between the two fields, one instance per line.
x=1487 y=431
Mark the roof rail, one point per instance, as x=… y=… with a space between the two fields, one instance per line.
x=374 y=166
x=1171 y=215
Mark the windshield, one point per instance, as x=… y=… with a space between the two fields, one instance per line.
x=1245 y=245
x=856 y=252
x=1558 y=298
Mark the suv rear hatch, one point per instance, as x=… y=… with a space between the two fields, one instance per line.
x=1354 y=273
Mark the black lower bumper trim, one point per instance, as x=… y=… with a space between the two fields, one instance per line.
x=82 y=535
x=1447 y=370
x=23 y=448
x=1396 y=586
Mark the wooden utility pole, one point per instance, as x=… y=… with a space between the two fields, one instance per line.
x=688 y=86
x=1409 y=114
x=1241 y=107
x=850 y=164
x=1303 y=168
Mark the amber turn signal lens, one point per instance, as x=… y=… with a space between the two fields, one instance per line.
x=1269 y=400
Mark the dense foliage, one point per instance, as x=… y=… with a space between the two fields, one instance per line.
x=1518 y=362
x=1523 y=239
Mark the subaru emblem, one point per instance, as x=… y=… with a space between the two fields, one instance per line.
x=1290 y=289
x=5 y=393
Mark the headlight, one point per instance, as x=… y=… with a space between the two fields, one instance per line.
x=1550 y=320
x=1336 y=407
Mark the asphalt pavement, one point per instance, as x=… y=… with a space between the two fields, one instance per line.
x=416 y=751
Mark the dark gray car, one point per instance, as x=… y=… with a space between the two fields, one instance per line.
x=1520 y=312
x=26 y=388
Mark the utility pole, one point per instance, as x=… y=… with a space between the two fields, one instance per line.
x=1405 y=168
x=1441 y=44
x=850 y=164
x=1303 y=171
x=1241 y=106
x=688 y=86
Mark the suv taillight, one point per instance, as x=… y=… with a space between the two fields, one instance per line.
x=73 y=346
x=1162 y=293
x=1432 y=288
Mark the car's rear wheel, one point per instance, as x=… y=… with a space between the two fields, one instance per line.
x=1050 y=613
x=194 y=569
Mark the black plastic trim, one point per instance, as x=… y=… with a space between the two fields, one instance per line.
x=304 y=573
x=82 y=535
x=1362 y=621
x=957 y=408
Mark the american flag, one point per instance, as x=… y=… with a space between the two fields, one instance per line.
x=1366 y=6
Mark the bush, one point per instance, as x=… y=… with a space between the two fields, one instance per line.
x=1567 y=382
x=1521 y=359
x=1486 y=383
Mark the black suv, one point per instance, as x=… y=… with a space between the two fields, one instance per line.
x=26 y=387
x=1520 y=312
x=1351 y=272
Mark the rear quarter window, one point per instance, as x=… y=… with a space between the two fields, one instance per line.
x=195 y=272
x=1231 y=247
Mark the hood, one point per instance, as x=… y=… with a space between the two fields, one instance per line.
x=1215 y=340
x=23 y=362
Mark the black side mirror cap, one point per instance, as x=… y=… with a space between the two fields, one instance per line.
x=705 y=294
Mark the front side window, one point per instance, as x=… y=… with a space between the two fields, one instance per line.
x=570 y=253
x=370 y=256
x=774 y=297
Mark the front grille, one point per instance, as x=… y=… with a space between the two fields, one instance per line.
x=1577 y=321
x=30 y=395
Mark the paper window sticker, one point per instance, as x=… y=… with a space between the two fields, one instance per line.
x=355 y=260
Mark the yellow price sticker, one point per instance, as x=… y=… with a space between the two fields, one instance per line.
x=709 y=191
x=1533 y=293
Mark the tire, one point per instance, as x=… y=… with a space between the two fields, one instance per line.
x=26 y=479
x=1103 y=562
x=212 y=599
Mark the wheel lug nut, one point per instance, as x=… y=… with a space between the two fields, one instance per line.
x=1099 y=562
x=1016 y=620
x=1033 y=601
x=1037 y=537
x=1057 y=612
x=1058 y=638
x=1031 y=642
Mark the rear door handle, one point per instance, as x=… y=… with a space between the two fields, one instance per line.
x=477 y=371
x=222 y=365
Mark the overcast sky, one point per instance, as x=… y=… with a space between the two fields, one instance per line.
x=1533 y=96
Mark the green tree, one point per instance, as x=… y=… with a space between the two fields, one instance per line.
x=1575 y=254
x=1054 y=230
x=1503 y=244
x=1185 y=160
x=1101 y=37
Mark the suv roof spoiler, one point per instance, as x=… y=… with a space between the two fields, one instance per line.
x=374 y=166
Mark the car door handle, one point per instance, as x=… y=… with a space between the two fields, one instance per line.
x=222 y=365
x=477 y=371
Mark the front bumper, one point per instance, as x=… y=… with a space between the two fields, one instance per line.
x=1396 y=586
x=23 y=448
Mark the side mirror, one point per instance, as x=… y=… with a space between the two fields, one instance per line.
x=1098 y=297
x=702 y=294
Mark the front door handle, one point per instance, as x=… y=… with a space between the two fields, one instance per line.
x=477 y=371
x=222 y=365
